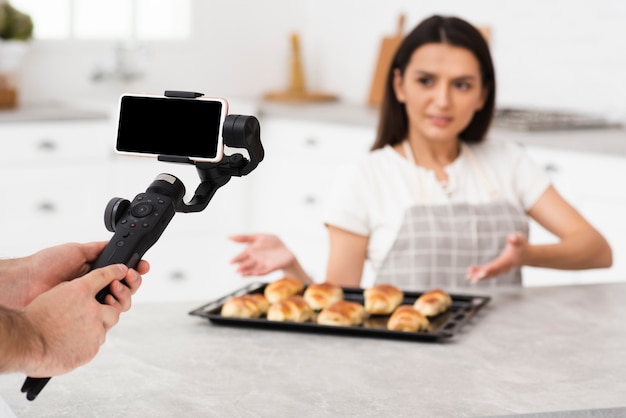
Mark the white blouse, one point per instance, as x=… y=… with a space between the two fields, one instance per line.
x=373 y=198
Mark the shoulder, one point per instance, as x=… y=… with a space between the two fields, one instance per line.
x=382 y=157
x=372 y=172
x=499 y=153
x=497 y=149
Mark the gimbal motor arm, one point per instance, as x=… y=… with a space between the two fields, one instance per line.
x=242 y=132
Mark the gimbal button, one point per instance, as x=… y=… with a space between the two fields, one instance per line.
x=142 y=209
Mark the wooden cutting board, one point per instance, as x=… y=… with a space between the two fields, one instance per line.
x=296 y=90
x=388 y=47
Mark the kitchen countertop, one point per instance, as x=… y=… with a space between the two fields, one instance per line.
x=46 y=112
x=611 y=141
x=530 y=351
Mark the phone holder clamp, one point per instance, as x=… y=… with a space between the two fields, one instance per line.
x=239 y=132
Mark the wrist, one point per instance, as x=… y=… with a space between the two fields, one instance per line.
x=295 y=270
x=14 y=279
x=21 y=344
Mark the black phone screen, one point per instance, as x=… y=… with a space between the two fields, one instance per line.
x=169 y=126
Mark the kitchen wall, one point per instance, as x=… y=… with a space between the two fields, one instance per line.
x=565 y=54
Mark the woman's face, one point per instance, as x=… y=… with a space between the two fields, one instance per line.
x=441 y=89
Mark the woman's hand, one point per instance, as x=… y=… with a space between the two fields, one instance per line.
x=263 y=254
x=508 y=259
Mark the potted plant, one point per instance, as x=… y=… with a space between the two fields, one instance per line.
x=16 y=28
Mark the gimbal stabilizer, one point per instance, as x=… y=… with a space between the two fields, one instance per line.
x=137 y=225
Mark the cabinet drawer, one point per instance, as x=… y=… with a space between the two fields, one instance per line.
x=298 y=141
x=577 y=174
x=52 y=206
x=44 y=142
x=189 y=268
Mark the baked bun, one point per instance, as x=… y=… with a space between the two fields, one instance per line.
x=406 y=318
x=245 y=306
x=283 y=288
x=382 y=299
x=342 y=313
x=433 y=302
x=321 y=295
x=293 y=309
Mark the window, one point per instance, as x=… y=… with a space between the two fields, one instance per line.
x=110 y=19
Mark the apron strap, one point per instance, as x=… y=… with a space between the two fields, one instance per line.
x=472 y=160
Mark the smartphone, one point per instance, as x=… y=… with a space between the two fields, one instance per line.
x=151 y=125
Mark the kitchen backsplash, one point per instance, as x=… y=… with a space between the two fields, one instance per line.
x=556 y=54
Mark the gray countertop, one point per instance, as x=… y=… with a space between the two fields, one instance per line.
x=530 y=351
x=611 y=141
x=46 y=112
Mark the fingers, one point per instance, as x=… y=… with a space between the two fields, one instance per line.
x=100 y=278
x=111 y=312
x=143 y=267
x=133 y=281
x=242 y=238
x=121 y=295
x=476 y=274
x=251 y=267
x=92 y=250
x=239 y=257
x=487 y=271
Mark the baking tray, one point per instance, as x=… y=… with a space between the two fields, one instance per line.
x=442 y=326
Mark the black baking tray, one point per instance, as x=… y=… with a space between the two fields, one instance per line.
x=442 y=326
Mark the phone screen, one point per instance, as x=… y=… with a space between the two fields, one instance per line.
x=171 y=126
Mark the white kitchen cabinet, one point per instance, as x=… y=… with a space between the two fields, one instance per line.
x=190 y=267
x=59 y=176
x=53 y=174
x=591 y=183
x=302 y=161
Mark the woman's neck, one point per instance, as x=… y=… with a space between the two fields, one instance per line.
x=432 y=156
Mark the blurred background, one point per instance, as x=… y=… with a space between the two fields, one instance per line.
x=560 y=68
x=556 y=54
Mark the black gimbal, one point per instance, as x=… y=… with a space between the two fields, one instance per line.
x=137 y=225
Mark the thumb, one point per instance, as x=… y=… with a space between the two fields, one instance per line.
x=515 y=238
x=93 y=249
x=242 y=238
x=100 y=278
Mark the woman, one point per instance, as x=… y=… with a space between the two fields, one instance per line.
x=434 y=203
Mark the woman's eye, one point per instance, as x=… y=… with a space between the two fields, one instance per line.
x=425 y=81
x=463 y=85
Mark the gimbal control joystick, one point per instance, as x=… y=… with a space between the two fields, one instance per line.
x=139 y=224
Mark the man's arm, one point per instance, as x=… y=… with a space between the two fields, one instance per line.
x=19 y=341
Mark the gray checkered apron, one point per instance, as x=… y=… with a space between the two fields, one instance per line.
x=437 y=243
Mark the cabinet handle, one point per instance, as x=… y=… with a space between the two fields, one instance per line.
x=178 y=275
x=47 y=207
x=310 y=200
x=311 y=142
x=47 y=145
x=551 y=168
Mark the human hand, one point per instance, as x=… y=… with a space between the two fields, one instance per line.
x=264 y=254
x=47 y=268
x=509 y=258
x=71 y=324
